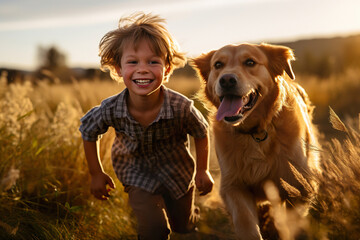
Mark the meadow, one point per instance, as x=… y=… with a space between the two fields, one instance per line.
x=44 y=180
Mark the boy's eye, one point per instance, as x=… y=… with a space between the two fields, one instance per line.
x=155 y=61
x=132 y=62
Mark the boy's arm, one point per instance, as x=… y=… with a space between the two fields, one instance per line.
x=203 y=180
x=99 y=179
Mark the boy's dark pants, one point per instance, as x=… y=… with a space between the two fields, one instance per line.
x=155 y=212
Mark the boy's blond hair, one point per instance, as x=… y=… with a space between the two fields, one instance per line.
x=133 y=29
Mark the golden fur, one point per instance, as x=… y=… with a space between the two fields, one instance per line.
x=270 y=139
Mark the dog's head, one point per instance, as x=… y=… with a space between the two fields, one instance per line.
x=239 y=77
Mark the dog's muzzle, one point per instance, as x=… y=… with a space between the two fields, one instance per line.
x=233 y=105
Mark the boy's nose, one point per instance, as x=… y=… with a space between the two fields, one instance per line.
x=142 y=68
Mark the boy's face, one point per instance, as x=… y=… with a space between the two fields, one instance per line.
x=142 y=70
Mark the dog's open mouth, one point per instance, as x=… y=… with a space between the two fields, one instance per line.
x=232 y=108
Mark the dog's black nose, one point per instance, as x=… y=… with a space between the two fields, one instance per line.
x=228 y=81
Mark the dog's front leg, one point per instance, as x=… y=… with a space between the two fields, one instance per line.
x=242 y=208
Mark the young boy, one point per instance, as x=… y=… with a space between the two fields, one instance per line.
x=150 y=153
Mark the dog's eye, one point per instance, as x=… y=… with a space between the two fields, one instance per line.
x=218 y=65
x=249 y=62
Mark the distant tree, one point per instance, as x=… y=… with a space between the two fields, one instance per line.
x=52 y=65
x=51 y=58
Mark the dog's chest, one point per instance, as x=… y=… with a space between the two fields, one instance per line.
x=241 y=158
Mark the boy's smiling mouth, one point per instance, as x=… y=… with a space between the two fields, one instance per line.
x=142 y=82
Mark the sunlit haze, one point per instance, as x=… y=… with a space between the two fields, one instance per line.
x=75 y=27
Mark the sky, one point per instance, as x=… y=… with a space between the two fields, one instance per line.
x=75 y=27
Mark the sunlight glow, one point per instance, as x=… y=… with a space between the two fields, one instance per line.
x=107 y=15
x=198 y=25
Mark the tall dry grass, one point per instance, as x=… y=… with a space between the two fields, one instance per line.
x=340 y=92
x=44 y=178
x=44 y=181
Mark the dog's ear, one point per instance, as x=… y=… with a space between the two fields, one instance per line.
x=202 y=64
x=280 y=58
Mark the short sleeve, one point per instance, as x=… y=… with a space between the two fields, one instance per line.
x=196 y=124
x=93 y=124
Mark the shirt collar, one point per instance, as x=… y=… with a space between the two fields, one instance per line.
x=166 y=111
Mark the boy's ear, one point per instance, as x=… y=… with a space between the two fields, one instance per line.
x=167 y=71
x=167 y=74
x=118 y=70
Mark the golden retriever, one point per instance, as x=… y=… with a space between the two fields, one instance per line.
x=262 y=129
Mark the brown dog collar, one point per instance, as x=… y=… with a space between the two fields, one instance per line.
x=258 y=136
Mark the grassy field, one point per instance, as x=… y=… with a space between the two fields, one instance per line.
x=44 y=182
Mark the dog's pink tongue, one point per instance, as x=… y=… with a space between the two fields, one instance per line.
x=229 y=106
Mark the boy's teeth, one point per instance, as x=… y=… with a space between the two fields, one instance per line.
x=142 y=82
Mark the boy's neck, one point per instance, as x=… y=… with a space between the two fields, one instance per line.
x=145 y=109
x=144 y=103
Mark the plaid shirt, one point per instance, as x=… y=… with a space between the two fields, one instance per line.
x=155 y=155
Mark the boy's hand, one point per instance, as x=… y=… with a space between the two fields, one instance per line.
x=204 y=182
x=98 y=185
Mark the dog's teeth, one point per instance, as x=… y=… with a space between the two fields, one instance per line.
x=246 y=99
